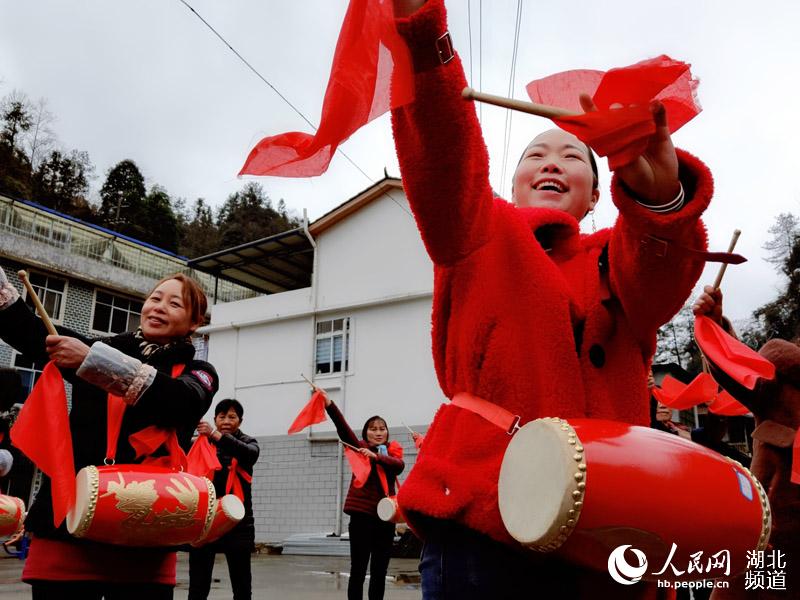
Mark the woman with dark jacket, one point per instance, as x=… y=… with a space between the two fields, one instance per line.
x=370 y=537
x=137 y=367
x=237 y=454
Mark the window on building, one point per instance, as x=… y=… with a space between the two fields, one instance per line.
x=51 y=292
x=115 y=314
x=331 y=345
x=28 y=370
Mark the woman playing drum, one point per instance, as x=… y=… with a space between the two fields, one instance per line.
x=528 y=314
x=138 y=367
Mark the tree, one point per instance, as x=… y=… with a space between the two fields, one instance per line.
x=159 y=225
x=15 y=169
x=123 y=198
x=15 y=111
x=675 y=342
x=784 y=233
x=781 y=317
x=248 y=215
x=40 y=138
x=62 y=181
x=199 y=234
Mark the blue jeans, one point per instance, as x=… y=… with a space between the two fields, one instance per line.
x=460 y=564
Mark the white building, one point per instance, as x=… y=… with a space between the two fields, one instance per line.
x=350 y=309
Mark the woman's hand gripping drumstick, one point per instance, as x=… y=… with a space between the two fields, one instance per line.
x=64 y=351
x=709 y=303
x=23 y=275
x=317 y=389
x=365 y=451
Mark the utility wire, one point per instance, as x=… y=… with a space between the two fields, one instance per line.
x=509 y=113
x=281 y=96
x=480 y=57
x=469 y=28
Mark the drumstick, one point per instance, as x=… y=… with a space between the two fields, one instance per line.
x=309 y=382
x=411 y=431
x=350 y=446
x=540 y=110
x=734 y=239
x=37 y=303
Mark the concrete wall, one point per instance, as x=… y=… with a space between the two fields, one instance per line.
x=295 y=486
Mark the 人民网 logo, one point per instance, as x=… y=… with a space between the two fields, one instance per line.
x=623 y=572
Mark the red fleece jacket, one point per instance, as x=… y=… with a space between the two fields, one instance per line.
x=539 y=333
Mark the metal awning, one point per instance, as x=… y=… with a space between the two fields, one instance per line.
x=278 y=263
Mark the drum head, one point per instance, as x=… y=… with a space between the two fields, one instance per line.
x=386 y=509
x=80 y=517
x=232 y=507
x=542 y=478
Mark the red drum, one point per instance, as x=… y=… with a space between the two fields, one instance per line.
x=141 y=505
x=585 y=487
x=229 y=511
x=389 y=510
x=12 y=516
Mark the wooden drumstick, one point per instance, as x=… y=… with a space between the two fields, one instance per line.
x=411 y=431
x=309 y=382
x=37 y=303
x=734 y=239
x=349 y=446
x=540 y=110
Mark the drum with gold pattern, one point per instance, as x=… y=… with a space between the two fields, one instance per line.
x=584 y=487
x=12 y=516
x=141 y=505
x=228 y=512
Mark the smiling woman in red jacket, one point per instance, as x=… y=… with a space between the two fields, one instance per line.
x=370 y=537
x=528 y=313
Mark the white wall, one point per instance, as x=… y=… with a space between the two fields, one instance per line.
x=372 y=267
x=374 y=253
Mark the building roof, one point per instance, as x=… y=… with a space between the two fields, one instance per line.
x=285 y=261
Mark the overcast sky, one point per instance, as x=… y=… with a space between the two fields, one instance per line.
x=147 y=80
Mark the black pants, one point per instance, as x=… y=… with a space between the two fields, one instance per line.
x=370 y=542
x=95 y=590
x=201 y=566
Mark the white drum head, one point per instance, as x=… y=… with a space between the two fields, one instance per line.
x=542 y=478
x=387 y=509
x=232 y=507
x=80 y=517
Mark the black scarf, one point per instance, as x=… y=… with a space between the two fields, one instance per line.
x=152 y=351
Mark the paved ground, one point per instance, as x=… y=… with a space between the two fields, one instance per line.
x=274 y=577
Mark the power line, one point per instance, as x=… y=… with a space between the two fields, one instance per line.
x=281 y=96
x=509 y=113
x=469 y=28
x=480 y=57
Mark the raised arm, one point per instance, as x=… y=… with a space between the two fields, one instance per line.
x=443 y=159
x=21 y=329
x=651 y=261
x=342 y=428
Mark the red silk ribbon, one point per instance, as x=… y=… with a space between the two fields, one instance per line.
x=42 y=433
x=235 y=476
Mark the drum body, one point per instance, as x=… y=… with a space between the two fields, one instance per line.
x=585 y=487
x=12 y=515
x=141 y=505
x=389 y=510
x=229 y=510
